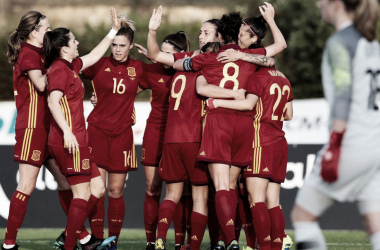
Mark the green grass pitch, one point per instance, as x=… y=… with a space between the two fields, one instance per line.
x=134 y=239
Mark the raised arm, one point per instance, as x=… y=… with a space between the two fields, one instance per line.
x=210 y=90
x=55 y=108
x=267 y=11
x=232 y=55
x=247 y=104
x=38 y=79
x=94 y=56
x=154 y=52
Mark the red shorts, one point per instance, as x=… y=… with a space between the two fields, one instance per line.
x=31 y=146
x=114 y=154
x=151 y=153
x=80 y=165
x=269 y=162
x=227 y=138
x=179 y=163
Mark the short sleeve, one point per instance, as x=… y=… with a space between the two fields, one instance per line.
x=199 y=61
x=77 y=65
x=144 y=79
x=259 y=51
x=29 y=61
x=291 y=97
x=89 y=73
x=181 y=55
x=255 y=86
x=58 y=80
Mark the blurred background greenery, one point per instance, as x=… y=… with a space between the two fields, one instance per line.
x=299 y=21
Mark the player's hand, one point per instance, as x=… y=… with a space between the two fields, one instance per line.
x=71 y=142
x=116 y=21
x=240 y=94
x=93 y=99
x=141 y=50
x=330 y=159
x=267 y=11
x=155 y=19
x=229 y=55
x=210 y=103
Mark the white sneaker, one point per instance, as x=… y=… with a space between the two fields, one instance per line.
x=287 y=243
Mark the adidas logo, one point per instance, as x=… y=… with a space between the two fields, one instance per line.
x=194 y=237
x=266 y=170
x=267 y=238
x=203 y=153
x=252 y=205
x=164 y=220
x=278 y=240
x=108 y=70
x=161 y=80
x=230 y=222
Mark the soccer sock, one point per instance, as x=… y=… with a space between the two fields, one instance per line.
x=213 y=223
x=179 y=221
x=17 y=210
x=226 y=214
x=261 y=222
x=116 y=211
x=90 y=206
x=189 y=210
x=375 y=240
x=75 y=220
x=277 y=221
x=151 y=216
x=246 y=219
x=198 y=227
x=65 y=197
x=96 y=219
x=309 y=236
x=238 y=223
x=165 y=217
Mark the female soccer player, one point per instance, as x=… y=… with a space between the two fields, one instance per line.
x=348 y=166
x=68 y=136
x=224 y=141
x=32 y=122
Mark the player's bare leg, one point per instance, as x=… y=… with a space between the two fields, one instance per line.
x=153 y=181
x=59 y=178
x=370 y=211
x=28 y=178
x=220 y=174
x=234 y=176
x=257 y=190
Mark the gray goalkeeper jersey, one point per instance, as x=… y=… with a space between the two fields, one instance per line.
x=351 y=82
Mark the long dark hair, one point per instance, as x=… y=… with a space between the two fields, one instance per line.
x=229 y=26
x=53 y=42
x=28 y=22
x=214 y=22
x=257 y=25
x=179 y=40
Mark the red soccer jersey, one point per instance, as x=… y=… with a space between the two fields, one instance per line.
x=185 y=109
x=63 y=76
x=158 y=79
x=115 y=85
x=232 y=75
x=31 y=104
x=275 y=92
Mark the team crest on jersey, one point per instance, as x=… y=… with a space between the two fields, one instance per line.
x=131 y=71
x=36 y=155
x=85 y=164
x=107 y=69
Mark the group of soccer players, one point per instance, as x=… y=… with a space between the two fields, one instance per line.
x=232 y=149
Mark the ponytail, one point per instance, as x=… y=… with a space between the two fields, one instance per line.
x=28 y=22
x=179 y=40
x=53 y=42
x=127 y=28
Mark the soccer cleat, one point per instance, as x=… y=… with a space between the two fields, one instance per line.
x=98 y=244
x=15 y=247
x=60 y=242
x=212 y=246
x=160 y=244
x=149 y=246
x=234 y=245
x=220 y=245
x=287 y=243
x=185 y=247
x=177 y=247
